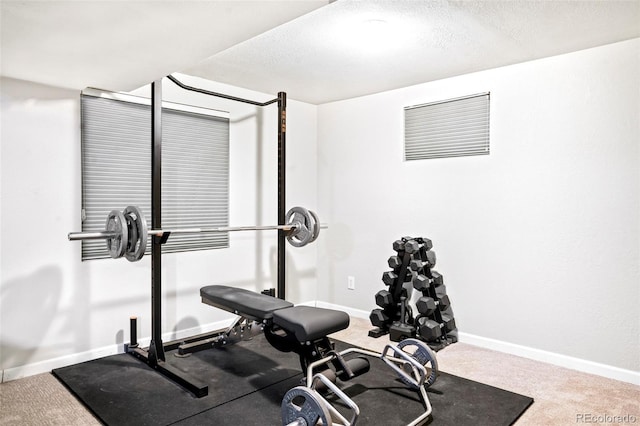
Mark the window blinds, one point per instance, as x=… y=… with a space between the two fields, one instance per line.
x=451 y=128
x=116 y=168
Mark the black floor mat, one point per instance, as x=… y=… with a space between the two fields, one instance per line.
x=248 y=380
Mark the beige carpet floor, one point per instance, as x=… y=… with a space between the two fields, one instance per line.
x=562 y=396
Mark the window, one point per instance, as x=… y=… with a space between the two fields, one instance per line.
x=116 y=168
x=451 y=128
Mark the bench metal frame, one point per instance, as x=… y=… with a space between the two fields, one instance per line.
x=395 y=358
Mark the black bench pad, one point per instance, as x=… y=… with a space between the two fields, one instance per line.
x=243 y=302
x=309 y=323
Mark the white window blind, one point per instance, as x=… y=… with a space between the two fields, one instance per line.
x=116 y=168
x=451 y=128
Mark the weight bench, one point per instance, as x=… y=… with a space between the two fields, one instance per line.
x=304 y=330
x=288 y=328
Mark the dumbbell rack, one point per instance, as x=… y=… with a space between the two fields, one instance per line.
x=412 y=269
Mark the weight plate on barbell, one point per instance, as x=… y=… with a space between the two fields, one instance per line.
x=117 y=224
x=424 y=355
x=138 y=240
x=305 y=404
x=316 y=226
x=304 y=222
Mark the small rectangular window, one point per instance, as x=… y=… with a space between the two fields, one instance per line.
x=116 y=168
x=450 y=128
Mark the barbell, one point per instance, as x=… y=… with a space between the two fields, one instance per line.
x=126 y=232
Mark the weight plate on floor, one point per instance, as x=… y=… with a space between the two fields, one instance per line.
x=303 y=233
x=138 y=244
x=422 y=353
x=304 y=404
x=117 y=224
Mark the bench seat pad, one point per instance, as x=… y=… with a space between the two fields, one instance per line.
x=309 y=323
x=242 y=302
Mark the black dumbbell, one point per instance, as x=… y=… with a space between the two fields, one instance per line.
x=398 y=245
x=438 y=280
x=448 y=322
x=384 y=299
x=426 y=305
x=428 y=329
x=394 y=262
x=421 y=282
x=428 y=244
x=389 y=277
x=379 y=318
x=412 y=246
x=419 y=264
x=443 y=300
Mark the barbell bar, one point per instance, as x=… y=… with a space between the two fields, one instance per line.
x=102 y=235
x=126 y=232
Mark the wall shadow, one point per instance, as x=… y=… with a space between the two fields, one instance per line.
x=21 y=334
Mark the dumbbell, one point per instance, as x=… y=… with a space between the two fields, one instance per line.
x=389 y=277
x=428 y=244
x=430 y=330
x=384 y=299
x=421 y=282
x=412 y=246
x=379 y=318
x=398 y=246
x=394 y=262
x=418 y=264
x=427 y=306
x=441 y=291
x=443 y=301
x=437 y=278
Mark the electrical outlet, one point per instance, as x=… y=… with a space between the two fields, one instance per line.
x=351 y=283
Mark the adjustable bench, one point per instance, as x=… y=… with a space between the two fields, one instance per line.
x=304 y=330
x=288 y=328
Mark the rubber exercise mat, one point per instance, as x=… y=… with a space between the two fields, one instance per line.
x=248 y=380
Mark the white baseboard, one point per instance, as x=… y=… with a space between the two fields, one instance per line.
x=553 y=358
x=46 y=366
x=578 y=364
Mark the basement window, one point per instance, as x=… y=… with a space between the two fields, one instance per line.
x=116 y=168
x=450 y=128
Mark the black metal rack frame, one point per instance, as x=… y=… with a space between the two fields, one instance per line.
x=154 y=356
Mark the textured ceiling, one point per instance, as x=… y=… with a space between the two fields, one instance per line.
x=351 y=48
x=316 y=51
x=122 y=45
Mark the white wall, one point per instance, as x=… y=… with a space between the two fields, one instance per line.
x=538 y=242
x=56 y=310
